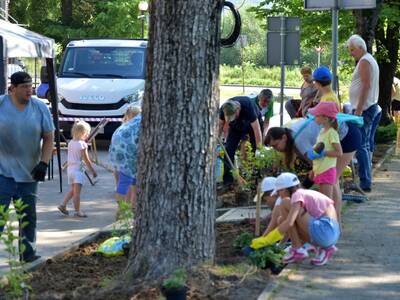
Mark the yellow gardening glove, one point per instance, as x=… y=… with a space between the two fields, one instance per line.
x=267 y=240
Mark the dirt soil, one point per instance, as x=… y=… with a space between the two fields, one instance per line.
x=78 y=274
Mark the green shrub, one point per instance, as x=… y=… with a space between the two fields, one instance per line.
x=243 y=240
x=267 y=255
x=385 y=134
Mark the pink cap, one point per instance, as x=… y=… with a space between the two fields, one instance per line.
x=325 y=108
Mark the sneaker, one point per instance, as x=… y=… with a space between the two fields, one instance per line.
x=30 y=258
x=295 y=255
x=288 y=249
x=63 y=209
x=310 y=248
x=323 y=256
x=80 y=214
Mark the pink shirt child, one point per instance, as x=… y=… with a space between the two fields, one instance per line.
x=313 y=202
x=75 y=156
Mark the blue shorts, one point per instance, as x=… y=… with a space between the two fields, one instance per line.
x=352 y=140
x=324 y=231
x=124 y=181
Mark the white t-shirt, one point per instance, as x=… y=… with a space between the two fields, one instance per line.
x=74 y=155
x=355 y=87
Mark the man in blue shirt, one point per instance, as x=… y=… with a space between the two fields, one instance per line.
x=244 y=118
x=26 y=145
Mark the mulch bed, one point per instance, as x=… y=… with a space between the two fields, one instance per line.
x=83 y=271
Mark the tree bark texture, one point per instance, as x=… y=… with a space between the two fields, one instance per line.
x=66 y=12
x=174 y=224
x=366 y=20
x=387 y=42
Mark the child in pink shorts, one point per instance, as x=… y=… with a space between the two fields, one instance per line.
x=324 y=161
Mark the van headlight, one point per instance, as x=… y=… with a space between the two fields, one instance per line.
x=134 y=98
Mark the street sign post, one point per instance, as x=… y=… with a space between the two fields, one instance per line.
x=335 y=6
x=283 y=47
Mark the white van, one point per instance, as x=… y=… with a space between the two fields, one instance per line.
x=98 y=79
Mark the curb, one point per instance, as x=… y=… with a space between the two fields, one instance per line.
x=378 y=165
x=275 y=283
x=75 y=245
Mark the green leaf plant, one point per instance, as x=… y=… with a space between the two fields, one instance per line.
x=14 y=282
x=255 y=167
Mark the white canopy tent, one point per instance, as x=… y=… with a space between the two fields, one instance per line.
x=25 y=43
x=16 y=41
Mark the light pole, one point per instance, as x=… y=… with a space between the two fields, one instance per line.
x=143 y=7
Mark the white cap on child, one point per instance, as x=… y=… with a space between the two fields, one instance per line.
x=285 y=180
x=267 y=184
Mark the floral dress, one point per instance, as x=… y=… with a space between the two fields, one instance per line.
x=124 y=145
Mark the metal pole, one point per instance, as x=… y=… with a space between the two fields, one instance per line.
x=335 y=42
x=241 y=61
x=142 y=16
x=283 y=37
x=319 y=58
x=3 y=66
x=51 y=75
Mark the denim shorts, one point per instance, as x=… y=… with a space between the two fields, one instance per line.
x=324 y=231
x=124 y=181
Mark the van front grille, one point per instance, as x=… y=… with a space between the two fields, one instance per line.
x=81 y=106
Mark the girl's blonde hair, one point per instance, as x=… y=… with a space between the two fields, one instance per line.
x=131 y=112
x=79 y=129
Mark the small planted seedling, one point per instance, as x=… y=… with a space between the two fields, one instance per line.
x=174 y=286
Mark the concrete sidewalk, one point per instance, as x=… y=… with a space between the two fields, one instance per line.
x=57 y=232
x=367 y=265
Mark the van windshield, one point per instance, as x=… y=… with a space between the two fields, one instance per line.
x=103 y=62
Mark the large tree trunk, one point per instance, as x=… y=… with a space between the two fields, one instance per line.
x=387 y=43
x=66 y=12
x=174 y=225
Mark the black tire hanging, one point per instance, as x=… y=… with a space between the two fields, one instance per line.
x=232 y=38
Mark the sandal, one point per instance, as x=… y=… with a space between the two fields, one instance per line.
x=80 y=214
x=63 y=209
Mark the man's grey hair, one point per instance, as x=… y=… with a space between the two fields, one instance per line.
x=266 y=93
x=357 y=41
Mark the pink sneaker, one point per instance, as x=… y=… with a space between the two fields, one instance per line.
x=310 y=248
x=323 y=256
x=295 y=255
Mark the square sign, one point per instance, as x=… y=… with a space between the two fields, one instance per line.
x=291 y=23
x=341 y=4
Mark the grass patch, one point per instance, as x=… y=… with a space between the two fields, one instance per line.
x=225 y=270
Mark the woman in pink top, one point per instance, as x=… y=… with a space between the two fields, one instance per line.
x=307 y=216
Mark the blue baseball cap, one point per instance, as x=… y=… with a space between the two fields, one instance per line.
x=322 y=74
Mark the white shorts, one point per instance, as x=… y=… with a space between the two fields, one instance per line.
x=76 y=177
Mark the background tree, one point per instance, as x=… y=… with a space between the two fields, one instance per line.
x=174 y=226
x=387 y=35
x=65 y=20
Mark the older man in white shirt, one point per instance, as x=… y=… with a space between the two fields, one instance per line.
x=364 y=94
